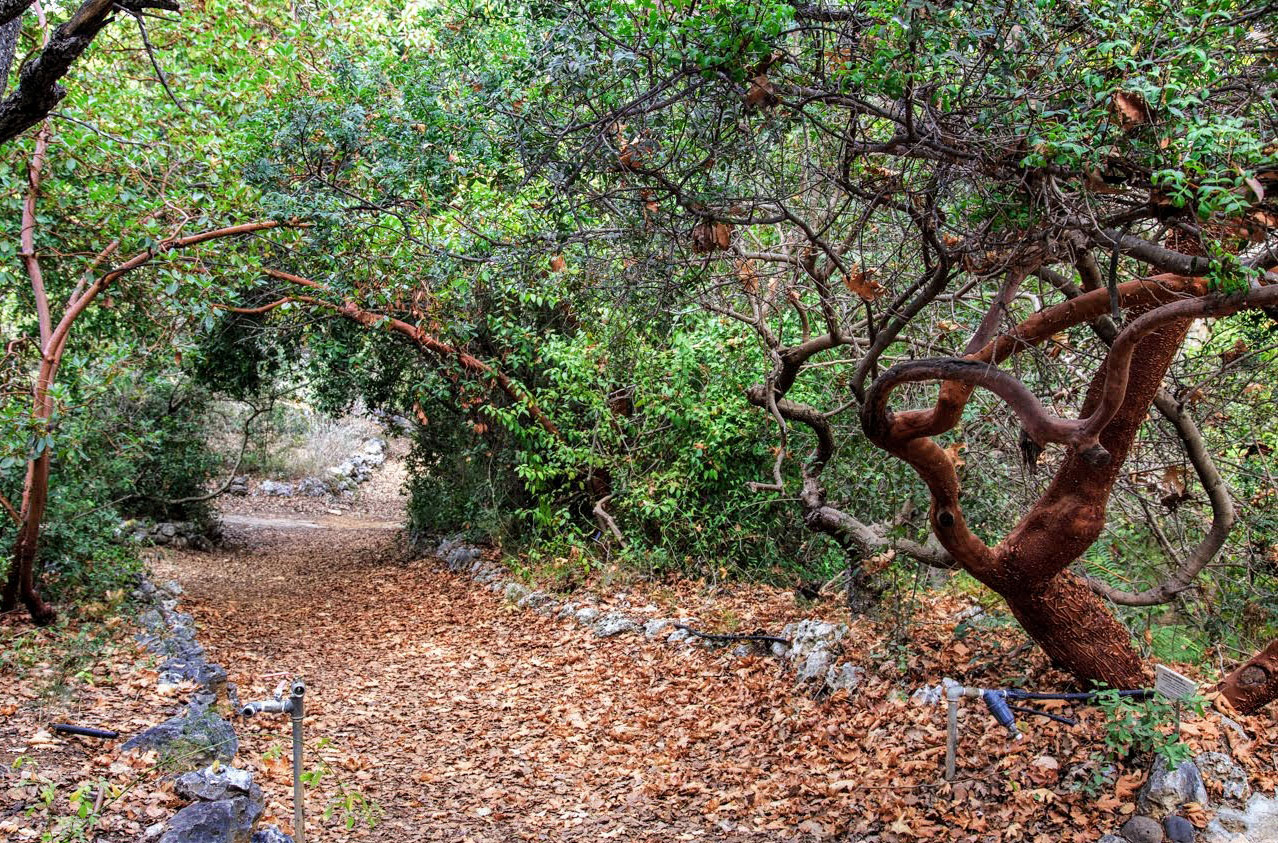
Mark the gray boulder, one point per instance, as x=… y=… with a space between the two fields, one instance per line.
x=193 y=738
x=274 y=488
x=224 y=821
x=845 y=677
x=270 y=834
x=815 y=665
x=1258 y=820
x=1179 y=829
x=460 y=557
x=205 y=674
x=1142 y=830
x=311 y=487
x=808 y=635
x=814 y=645
x=656 y=627
x=516 y=591
x=614 y=623
x=586 y=614
x=1167 y=789
x=1218 y=768
x=535 y=600
x=215 y=783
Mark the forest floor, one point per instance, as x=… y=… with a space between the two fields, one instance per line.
x=438 y=710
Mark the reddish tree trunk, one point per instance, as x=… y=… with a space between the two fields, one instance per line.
x=1057 y=608
x=1077 y=631
x=1029 y=567
x=20 y=586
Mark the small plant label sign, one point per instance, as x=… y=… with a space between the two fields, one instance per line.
x=1173 y=685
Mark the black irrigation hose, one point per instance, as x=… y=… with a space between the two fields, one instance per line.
x=1001 y=709
x=1068 y=721
x=85 y=731
x=1018 y=694
x=755 y=636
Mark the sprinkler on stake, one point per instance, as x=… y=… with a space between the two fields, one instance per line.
x=294 y=708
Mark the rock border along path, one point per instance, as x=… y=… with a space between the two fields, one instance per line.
x=225 y=802
x=813 y=652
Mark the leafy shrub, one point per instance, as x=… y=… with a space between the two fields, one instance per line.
x=1145 y=726
x=132 y=447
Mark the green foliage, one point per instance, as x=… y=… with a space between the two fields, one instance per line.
x=52 y=661
x=80 y=823
x=132 y=445
x=1145 y=726
x=665 y=422
x=348 y=803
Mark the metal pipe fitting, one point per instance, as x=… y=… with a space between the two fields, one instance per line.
x=296 y=710
x=267 y=707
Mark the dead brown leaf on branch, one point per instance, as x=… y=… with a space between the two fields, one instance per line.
x=860 y=281
x=1132 y=110
x=710 y=236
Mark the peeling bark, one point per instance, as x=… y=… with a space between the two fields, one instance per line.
x=1254 y=683
x=1077 y=631
x=1028 y=568
x=1191 y=565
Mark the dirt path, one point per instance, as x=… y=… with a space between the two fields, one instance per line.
x=443 y=712
x=460 y=717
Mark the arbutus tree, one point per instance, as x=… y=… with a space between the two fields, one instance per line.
x=1029 y=567
x=28 y=515
x=859 y=183
x=91 y=173
x=37 y=92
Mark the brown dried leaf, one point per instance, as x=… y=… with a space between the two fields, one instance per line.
x=1256 y=187
x=1240 y=348
x=1132 y=110
x=1172 y=487
x=760 y=92
x=711 y=236
x=861 y=282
